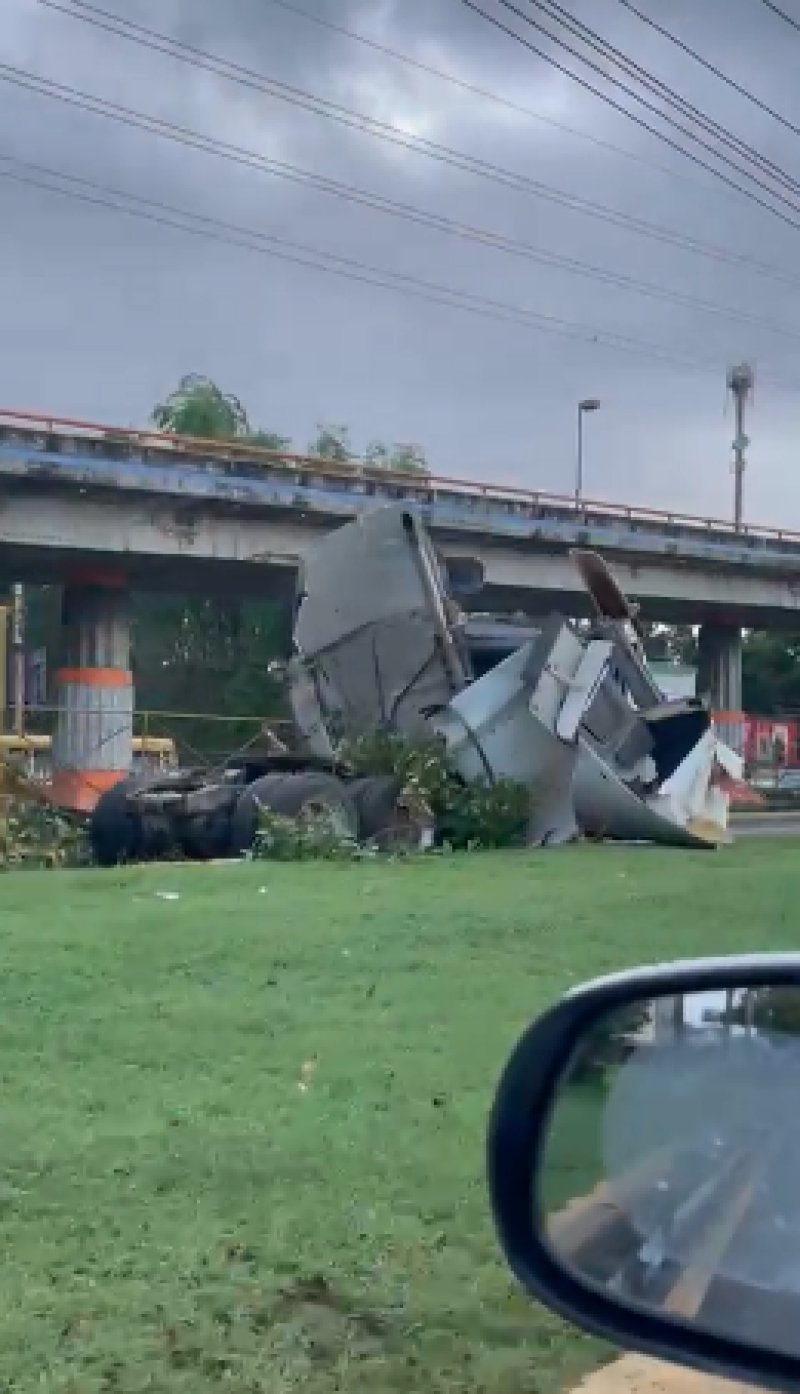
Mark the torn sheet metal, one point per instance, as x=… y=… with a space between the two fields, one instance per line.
x=507 y=724
x=376 y=629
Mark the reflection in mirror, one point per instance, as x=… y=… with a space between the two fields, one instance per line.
x=671 y=1170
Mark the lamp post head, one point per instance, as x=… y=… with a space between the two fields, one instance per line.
x=589 y=404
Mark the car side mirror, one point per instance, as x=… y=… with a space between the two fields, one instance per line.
x=644 y=1163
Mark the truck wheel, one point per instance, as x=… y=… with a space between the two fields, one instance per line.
x=301 y=793
x=114 y=833
x=207 y=838
x=375 y=797
x=244 y=819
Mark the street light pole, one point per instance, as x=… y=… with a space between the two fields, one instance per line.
x=588 y=404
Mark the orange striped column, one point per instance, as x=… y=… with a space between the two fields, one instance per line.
x=94 y=692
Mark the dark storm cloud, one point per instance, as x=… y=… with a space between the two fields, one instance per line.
x=103 y=313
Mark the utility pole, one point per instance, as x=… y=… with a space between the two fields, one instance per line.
x=588 y=404
x=741 y=379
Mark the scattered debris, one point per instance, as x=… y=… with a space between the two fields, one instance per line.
x=34 y=834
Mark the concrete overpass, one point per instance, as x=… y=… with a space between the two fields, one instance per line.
x=98 y=508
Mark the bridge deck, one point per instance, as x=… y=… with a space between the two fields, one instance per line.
x=62 y=452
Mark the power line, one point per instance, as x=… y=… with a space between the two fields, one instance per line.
x=704 y=63
x=661 y=90
x=140 y=34
x=394 y=135
x=422 y=217
x=788 y=19
x=476 y=91
x=215 y=230
x=620 y=107
x=617 y=106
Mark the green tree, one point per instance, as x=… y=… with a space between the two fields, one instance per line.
x=378 y=455
x=270 y=440
x=768 y=1009
x=399 y=459
x=408 y=459
x=199 y=408
x=771 y=672
x=206 y=659
x=333 y=443
x=670 y=643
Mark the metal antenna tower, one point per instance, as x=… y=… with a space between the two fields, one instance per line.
x=741 y=380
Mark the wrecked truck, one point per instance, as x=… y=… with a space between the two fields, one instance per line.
x=383 y=643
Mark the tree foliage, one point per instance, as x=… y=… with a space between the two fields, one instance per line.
x=770 y=1009
x=211 y=661
x=398 y=459
x=771 y=673
x=199 y=408
x=670 y=643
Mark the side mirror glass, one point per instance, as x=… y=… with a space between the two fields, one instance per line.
x=671 y=1169
x=663 y=1167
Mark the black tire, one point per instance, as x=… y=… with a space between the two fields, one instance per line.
x=375 y=797
x=244 y=819
x=205 y=839
x=114 y=833
x=298 y=792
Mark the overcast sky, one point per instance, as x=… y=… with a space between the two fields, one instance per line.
x=102 y=313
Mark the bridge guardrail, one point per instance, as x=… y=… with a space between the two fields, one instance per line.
x=358 y=476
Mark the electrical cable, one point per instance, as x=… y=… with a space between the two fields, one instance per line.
x=702 y=62
x=618 y=106
x=215 y=230
x=474 y=90
x=788 y=19
x=140 y=34
x=655 y=85
x=485 y=237
x=395 y=135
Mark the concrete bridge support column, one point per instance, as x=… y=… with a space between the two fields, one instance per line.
x=720 y=679
x=94 y=692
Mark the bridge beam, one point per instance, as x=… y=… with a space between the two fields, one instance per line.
x=94 y=691
x=720 y=665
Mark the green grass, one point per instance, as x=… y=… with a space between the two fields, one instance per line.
x=178 y=1214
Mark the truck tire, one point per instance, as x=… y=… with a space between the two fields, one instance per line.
x=301 y=792
x=207 y=838
x=114 y=833
x=244 y=819
x=375 y=797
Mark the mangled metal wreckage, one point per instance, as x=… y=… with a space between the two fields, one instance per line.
x=382 y=644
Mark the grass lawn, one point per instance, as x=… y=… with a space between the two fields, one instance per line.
x=242 y=1123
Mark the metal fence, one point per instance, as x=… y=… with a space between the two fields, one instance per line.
x=161 y=738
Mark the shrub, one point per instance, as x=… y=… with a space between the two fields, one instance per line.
x=312 y=835
x=486 y=813
x=33 y=835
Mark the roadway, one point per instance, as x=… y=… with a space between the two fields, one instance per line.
x=708 y=1234
x=781 y=823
